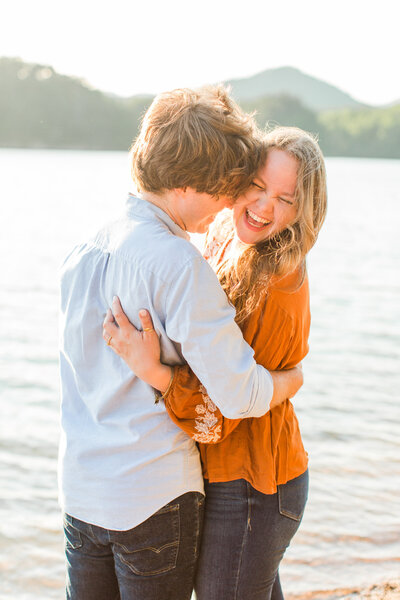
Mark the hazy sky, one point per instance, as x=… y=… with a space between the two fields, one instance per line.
x=131 y=47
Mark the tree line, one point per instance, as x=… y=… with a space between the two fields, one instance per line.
x=40 y=108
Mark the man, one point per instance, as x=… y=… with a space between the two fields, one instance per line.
x=131 y=484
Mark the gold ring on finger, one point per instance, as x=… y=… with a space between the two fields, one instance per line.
x=109 y=340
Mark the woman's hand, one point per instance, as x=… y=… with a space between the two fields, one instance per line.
x=139 y=349
x=286 y=384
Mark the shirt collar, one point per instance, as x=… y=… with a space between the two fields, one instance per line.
x=142 y=208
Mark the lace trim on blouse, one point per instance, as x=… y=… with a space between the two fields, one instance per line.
x=206 y=423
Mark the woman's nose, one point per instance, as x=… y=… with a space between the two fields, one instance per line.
x=266 y=204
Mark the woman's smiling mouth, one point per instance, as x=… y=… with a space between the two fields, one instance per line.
x=254 y=221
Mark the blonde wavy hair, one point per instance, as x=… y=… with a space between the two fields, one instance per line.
x=246 y=274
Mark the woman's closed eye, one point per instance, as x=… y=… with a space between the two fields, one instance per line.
x=286 y=200
x=258 y=186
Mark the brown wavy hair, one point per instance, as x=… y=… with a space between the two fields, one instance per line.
x=196 y=138
x=246 y=274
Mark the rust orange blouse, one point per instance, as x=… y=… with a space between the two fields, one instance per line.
x=266 y=451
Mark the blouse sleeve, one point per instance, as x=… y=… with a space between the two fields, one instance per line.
x=191 y=408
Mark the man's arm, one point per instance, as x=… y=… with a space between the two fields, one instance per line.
x=200 y=319
x=186 y=399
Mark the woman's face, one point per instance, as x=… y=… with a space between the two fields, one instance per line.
x=269 y=206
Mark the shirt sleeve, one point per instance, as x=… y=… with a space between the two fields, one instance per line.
x=279 y=338
x=200 y=319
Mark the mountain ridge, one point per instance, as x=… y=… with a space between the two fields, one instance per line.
x=40 y=108
x=313 y=92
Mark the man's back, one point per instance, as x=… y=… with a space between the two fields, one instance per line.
x=121 y=456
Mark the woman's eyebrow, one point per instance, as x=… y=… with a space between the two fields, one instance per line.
x=256 y=179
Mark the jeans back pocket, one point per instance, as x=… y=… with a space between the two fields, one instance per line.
x=73 y=539
x=152 y=547
x=292 y=497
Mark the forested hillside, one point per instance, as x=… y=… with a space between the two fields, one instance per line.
x=40 y=108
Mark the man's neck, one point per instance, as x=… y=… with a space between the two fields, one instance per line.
x=167 y=202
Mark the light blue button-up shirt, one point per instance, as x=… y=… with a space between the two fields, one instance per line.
x=121 y=457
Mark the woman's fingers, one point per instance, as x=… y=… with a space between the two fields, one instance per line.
x=139 y=348
x=110 y=329
x=109 y=325
x=119 y=315
x=122 y=336
x=109 y=317
x=146 y=321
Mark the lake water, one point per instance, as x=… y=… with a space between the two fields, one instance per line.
x=349 y=407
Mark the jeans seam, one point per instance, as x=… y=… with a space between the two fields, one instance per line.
x=249 y=498
x=244 y=539
x=91 y=534
x=152 y=548
x=198 y=502
x=290 y=515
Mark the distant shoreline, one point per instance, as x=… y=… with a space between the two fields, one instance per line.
x=99 y=150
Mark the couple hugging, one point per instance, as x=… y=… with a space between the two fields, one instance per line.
x=181 y=460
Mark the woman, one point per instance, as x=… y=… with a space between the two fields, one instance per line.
x=255 y=470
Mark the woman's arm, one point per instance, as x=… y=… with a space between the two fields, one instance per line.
x=186 y=399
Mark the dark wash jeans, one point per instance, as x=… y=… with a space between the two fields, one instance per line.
x=245 y=535
x=154 y=561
